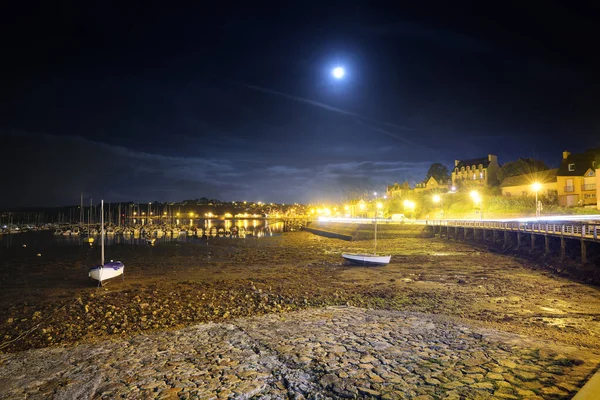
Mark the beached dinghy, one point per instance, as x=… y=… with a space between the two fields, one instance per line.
x=368 y=259
x=105 y=271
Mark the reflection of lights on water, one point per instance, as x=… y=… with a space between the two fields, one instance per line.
x=246 y=223
x=254 y=223
x=227 y=224
x=177 y=221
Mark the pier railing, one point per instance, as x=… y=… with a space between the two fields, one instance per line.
x=575 y=230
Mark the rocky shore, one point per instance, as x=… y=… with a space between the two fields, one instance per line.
x=322 y=353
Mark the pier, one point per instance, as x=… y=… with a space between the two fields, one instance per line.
x=523 y=235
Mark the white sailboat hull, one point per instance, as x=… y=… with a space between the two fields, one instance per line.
x=366 y=259
x=107 y=271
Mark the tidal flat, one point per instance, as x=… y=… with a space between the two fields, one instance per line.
x=48 y=300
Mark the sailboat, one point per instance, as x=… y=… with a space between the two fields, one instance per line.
x=89 y=239
x=109 y=270
x=368 y=259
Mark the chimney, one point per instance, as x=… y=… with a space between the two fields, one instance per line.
x=566 y=155
x=456 y=162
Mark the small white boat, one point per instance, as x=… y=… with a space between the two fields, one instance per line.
x=109 y=270
x=106 y=271
x=366 y=259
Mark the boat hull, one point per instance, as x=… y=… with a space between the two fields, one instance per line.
x=366 y=259
x=107 y=271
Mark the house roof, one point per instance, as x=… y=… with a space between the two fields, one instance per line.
x=474 y=161
x=582 y=163
x=546 y=176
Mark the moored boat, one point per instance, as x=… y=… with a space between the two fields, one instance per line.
x=105 y=271
x=366 y=259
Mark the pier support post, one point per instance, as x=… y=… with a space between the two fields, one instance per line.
x=494 y=236
x=546 y=245
x=518 y=240
x=505 y=239
x=563 y=247
x=465 y=234
x=483 y=232
x=532 y=249
x=583 y=252
x=456 y=233
x=475 y=235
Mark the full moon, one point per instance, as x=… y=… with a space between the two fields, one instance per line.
x=338 y=72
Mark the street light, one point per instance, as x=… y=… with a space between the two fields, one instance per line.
x=409 y=205
x=536 y=186
x=437 y=199
x=477 y=199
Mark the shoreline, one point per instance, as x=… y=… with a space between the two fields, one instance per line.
x=176 y=285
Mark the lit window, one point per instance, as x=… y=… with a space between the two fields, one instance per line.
x=474 y=176
x=571 y=167
x=481 y=175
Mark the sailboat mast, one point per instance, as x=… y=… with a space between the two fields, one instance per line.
x=102 y=227
x=375 y=248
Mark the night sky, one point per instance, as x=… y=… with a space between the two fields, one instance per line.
x=238 y=102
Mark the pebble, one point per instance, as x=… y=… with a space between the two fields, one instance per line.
x=333 y=352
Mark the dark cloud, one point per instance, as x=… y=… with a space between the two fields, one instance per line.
x=54 y=170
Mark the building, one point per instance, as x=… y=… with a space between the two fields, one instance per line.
x=576 y=180
x=476 y=172
x=431 y=184
x=397 y=190
x=522 y=185
x=358 y=209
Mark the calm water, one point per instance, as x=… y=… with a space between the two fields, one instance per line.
x=253 y=229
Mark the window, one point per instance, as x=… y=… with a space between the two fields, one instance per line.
x=571 y=167
x=474 y=176
x=569 y=186
x=480 y=166
x=481 y=175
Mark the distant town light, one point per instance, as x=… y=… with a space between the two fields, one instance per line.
x=436 y=198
